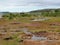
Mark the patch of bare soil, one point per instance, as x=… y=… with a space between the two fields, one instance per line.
x=32 y=42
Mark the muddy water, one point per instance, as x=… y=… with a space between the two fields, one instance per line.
x=25 y=30
x=38 y=38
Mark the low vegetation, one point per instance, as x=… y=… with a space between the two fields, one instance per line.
x=12 y=24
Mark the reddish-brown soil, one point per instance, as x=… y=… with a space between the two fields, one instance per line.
x=32 y=42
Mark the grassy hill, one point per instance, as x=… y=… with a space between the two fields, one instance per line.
x=46 y=12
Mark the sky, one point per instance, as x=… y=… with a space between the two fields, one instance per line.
x=27 y=5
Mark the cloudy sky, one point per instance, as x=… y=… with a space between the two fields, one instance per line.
x=27 y=5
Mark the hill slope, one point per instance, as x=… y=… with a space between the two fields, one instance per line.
x=46 y=12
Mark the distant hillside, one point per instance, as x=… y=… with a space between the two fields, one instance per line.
x=46 y=12
x=1 y=13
